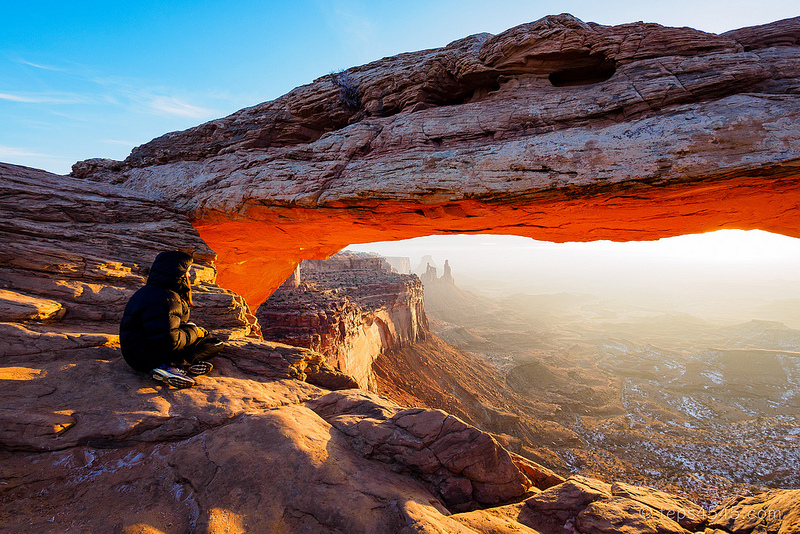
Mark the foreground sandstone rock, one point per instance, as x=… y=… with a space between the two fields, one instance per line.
x=559 y=130
x=465 y=467
x=589 y=506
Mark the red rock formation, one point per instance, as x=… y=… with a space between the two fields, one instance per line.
x=400 y=264
x=240 y=451
x=348 y=261
x=430 y=278
x=77 y=425
x=558 y=130
x=464 y=466
x=351 y=308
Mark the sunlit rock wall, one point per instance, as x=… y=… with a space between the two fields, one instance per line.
x=351 y=315
x=74 y=252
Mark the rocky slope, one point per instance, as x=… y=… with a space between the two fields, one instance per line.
x=558 y=129
x=349 y=308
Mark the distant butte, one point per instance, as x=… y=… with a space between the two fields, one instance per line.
x=558 y=130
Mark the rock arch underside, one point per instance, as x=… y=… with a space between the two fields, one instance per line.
x=558 y=130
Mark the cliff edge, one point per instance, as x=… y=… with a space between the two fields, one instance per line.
x=351 y=308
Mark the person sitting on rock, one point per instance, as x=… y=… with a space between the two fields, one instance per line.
x=155 y=335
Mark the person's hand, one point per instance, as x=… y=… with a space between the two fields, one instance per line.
x=201 y=332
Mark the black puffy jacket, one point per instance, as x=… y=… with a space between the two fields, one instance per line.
x=154 y=326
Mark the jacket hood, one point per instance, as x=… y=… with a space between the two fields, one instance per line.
x=169 y=268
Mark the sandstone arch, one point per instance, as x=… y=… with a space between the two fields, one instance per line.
x=691 y=132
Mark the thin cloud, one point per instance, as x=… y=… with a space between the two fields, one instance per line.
x=134 y=93
x=174 y=106
x=41 y=99
x=119 y=142
x=15 y=152
x=43 y=67
x=20 y=98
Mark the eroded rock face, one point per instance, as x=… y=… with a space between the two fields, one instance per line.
x=74 y=252
x=349 y=308
x=559 y=130
x=593 y=507
x=588 y=506
x=280 y=470
x=465 y=467
x=775 y=512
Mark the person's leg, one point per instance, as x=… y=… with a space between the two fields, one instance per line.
x=205 y=349
x=194 y=358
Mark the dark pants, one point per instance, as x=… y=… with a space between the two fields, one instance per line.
x=201 y=350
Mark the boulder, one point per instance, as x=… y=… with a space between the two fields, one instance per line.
x=465 y=467
x=772 y=512
x=590 y=506
x=686 y=513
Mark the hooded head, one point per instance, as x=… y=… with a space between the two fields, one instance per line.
x=169 y=271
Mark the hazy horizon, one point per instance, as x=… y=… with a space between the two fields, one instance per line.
x=729 y=275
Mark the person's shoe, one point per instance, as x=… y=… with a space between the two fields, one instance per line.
x=172 y=376
x=199 y=368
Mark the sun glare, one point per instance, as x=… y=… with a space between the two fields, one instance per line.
x=724 y=246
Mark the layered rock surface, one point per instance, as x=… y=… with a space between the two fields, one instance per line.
x=558 y=129
x=350 y=308
x=86 y=444
x=463 y=466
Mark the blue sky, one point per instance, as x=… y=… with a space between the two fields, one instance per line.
x=94 y=79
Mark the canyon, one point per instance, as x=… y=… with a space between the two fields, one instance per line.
x=557 y=129
x=605 y=386
x=580 y=383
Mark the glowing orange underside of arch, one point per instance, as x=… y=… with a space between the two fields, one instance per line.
x=255 y=255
